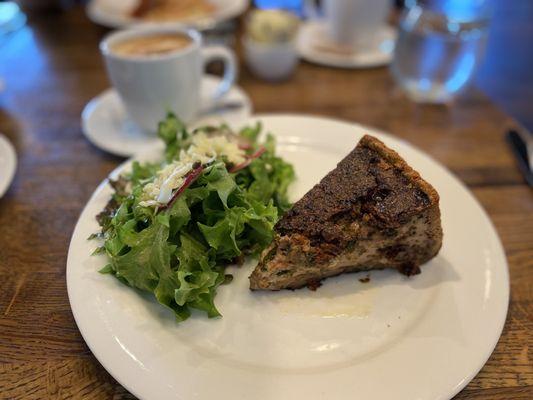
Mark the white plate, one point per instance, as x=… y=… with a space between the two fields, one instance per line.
x=106 y=125
x=423 y=337
x=313 y=46
x=8 y=164
x=115 y=13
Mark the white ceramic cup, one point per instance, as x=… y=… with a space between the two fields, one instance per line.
x=152 y=85
x=352 y=23
x=270 y=61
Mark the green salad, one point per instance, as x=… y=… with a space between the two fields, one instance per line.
x=171 y=228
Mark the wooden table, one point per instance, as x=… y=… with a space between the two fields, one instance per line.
x=54 y=68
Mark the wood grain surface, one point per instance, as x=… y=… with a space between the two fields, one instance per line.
x=52 y=68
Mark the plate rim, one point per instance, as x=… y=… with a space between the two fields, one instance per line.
x=6 y=144
x=500 y=248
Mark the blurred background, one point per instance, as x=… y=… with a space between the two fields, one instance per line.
x=505 y=72
x=460 y=76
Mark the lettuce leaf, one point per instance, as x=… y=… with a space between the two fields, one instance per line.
x=179 y=254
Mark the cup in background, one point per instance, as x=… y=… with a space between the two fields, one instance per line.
x=273 y=62
x=352 y=23
x=269 y=44
x=151 y=85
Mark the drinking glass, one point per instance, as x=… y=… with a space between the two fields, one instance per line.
x=440 y=45
x=289 y=5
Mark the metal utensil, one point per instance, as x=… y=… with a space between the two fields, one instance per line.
x=527 y=138
x=521 y=143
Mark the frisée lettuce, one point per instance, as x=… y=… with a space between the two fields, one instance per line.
x=171 y=228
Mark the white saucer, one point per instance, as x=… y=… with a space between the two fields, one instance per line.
x=313 y=46
x=106 y=125
x=8 y=164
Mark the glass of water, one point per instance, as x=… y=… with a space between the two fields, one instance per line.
x=289 y=5
x=440 y=45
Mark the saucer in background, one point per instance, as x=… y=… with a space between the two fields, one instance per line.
x=314 y=46
x=107 y=126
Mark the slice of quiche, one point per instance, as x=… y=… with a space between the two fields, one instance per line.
x=371 y=212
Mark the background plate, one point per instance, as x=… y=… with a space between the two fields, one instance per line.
x=398 y=338
x=115 y=13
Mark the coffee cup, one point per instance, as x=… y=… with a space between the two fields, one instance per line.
x=352 y=23
x=159 y=69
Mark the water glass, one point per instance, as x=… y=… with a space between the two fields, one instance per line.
x=289 y=5
x=440 y=45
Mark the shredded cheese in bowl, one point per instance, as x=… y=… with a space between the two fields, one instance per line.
x=272 y=26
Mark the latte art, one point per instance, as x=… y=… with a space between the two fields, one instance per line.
x=148 y=45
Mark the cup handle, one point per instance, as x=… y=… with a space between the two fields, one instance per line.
x=211 y=53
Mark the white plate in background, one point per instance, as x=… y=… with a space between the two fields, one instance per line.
x=400 y=338
x=116 y=13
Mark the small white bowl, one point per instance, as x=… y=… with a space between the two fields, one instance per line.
x=270 y=61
